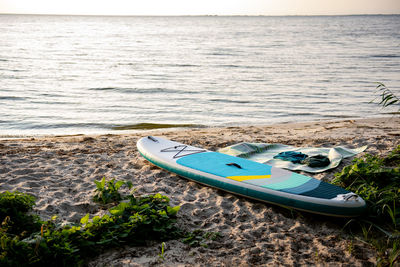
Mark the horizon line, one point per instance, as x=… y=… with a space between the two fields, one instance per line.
x=205 y=15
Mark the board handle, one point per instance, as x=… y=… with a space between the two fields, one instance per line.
x=152 y=138
x=234 y=164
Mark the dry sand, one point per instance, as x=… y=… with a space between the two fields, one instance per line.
x=59 y=172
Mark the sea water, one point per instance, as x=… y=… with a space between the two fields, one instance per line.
x=84 y=74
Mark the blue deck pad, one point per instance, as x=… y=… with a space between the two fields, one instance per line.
x=215 y=163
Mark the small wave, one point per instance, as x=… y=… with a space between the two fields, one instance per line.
x=239 y=66
x=229 y=66
x=151 y=126
x=53 y=103
x=230 y=101
x=385 y=56
x=46 y=126
x=52 y=95
x=104 y=88
x=12 y=70
x=341 y=116
x=12 y=77
x=12 y=98
x=304 y=114
x=219 y=54
x=183 y=65
x=253 y=80
x=136 y=90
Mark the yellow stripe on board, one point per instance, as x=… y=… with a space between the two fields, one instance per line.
x=248 y=177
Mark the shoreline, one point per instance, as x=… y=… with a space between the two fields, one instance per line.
x=59 y=171
x=145 y=127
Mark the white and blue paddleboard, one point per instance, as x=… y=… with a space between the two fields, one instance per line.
x=251 y=179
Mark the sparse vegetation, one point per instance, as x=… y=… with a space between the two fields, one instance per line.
x=129 y=223
x=377 y=181
x=199 y=238
x=25 y=240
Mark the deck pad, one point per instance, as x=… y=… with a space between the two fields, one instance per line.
x=254 y=173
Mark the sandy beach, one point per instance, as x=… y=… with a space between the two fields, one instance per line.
x=59 y=171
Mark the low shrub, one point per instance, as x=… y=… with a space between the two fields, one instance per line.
x=131 y=222
x=15 y=214
x=25 y=240
x=377 y=180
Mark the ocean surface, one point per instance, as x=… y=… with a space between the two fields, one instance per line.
x=88 y=74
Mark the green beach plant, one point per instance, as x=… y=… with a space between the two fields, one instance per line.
x=199 y=238
x=107 y=190
x=377 y=180
x=387 y=97
x=134 y=221
x=131 y=222
x=161 y=255
x=14 y=212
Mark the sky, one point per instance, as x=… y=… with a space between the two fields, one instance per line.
x=200 y=7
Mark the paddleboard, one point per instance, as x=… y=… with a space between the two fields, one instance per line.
x=251 y=179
